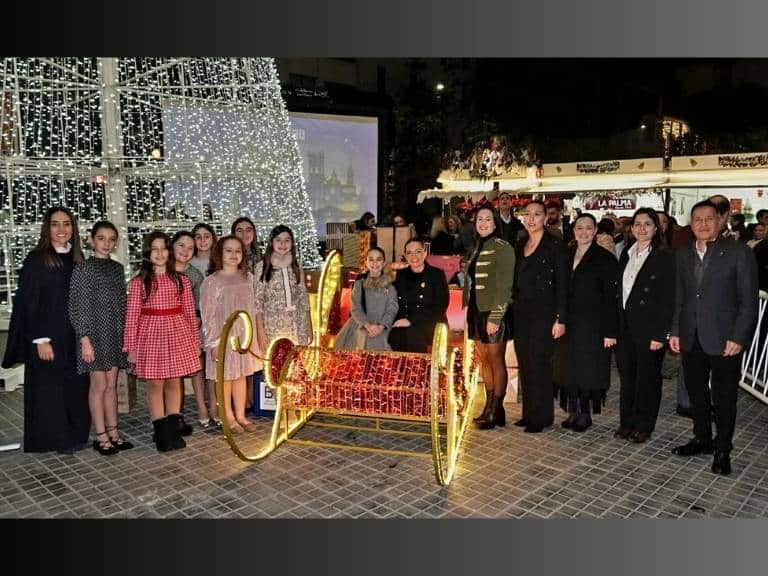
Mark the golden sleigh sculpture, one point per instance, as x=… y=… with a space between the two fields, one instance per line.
x=434 y=389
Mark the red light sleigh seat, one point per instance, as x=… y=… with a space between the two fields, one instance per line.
x=434 y=389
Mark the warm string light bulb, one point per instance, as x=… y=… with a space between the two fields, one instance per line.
x=150 y=143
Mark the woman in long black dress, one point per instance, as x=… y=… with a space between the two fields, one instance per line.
x=592 y=326
x=422 y=297
x=540 y=311
x=56 y=414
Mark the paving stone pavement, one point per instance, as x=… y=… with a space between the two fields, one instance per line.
x=502 y=473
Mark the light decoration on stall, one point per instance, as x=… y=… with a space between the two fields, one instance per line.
x=148 y=143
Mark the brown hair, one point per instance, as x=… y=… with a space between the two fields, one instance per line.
x=147 y=271
x=266 y=272
x=217 y=256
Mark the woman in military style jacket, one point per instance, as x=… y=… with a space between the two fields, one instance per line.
x=540 y=311
x=487 y=296
x=422 y=297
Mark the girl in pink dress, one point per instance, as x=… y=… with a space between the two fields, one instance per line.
x=227 y=289
x=161 y=336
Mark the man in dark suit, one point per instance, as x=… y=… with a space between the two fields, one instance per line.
x=510 y=225
x=715 y=314
x=556 y=224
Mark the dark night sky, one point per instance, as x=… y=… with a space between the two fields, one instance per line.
x=598 y=97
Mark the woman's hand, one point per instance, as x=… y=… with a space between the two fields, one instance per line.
x=609 y=342
x=132 y=356
x=86 y=348
x=45 y=351
x=655 y=345
x=402 y=323
x=558 y=330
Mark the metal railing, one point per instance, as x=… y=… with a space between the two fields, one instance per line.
x=754 y=363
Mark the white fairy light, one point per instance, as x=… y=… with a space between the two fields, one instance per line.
x=149 y=143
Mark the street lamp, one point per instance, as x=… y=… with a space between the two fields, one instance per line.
x=440 y=87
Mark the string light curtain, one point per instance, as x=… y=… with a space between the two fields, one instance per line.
x=149 y=143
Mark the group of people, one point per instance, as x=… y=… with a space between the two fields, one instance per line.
x=566 y=299
x=75 y=324
x=575 y=302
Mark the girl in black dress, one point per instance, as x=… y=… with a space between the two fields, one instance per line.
x=56 y=415
x=97 y=312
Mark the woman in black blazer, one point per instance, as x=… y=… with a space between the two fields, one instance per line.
x=422 y=298
x=646 y=302
x=593 y=325
x=540 y=306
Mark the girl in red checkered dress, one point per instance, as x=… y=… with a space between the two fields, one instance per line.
x=161 y=336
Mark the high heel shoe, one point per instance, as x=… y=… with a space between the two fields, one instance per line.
x=119 y=442
x=104 y=447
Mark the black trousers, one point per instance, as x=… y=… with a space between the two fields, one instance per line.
x=534 y=346
x=725 y=372
x=640 y=375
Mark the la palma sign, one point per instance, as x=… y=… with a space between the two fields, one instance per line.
x=609 y=203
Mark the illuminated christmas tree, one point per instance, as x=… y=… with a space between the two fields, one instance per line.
x=149 y=143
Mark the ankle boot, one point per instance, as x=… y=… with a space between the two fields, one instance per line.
x=584 y=417
x=173 y=428
x=484 y=413
x=162 y=441
x=184 y=428
x=572 y=414
x=495 y=416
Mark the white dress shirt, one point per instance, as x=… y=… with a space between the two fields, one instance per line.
x=636 y=260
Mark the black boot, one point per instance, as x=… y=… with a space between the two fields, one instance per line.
x=572 y=414
x=174 y=431
x=496 y=415
x=161 y=438
x=584 y=417
x=484 y=413
x=184 y=428
x=721 y=463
